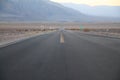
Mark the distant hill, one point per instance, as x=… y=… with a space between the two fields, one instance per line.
x=43 y=10
x=102 y=11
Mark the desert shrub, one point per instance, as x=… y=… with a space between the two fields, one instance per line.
x=86 y=30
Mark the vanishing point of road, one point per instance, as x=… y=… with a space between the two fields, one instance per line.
x=62 y=55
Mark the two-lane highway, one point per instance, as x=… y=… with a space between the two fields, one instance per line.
x=61 y=55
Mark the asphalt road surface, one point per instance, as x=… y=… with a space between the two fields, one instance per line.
x=62 y=55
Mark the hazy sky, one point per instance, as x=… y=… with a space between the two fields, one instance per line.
x=91 y=2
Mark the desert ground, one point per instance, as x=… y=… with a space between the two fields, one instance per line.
x=101 y=29
x=10 y=32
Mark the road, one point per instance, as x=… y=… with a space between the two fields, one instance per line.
x=62 y=55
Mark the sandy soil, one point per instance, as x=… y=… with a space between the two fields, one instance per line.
x=102 y=29
x=10 y=32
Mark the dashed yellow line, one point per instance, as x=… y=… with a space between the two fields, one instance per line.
x=62 y=38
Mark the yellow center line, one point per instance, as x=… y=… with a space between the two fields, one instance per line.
x=62 y=38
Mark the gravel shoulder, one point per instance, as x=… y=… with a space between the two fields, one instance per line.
x=11 y=38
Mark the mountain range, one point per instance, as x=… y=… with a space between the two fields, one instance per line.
x=102 y=11
x=43 y=10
